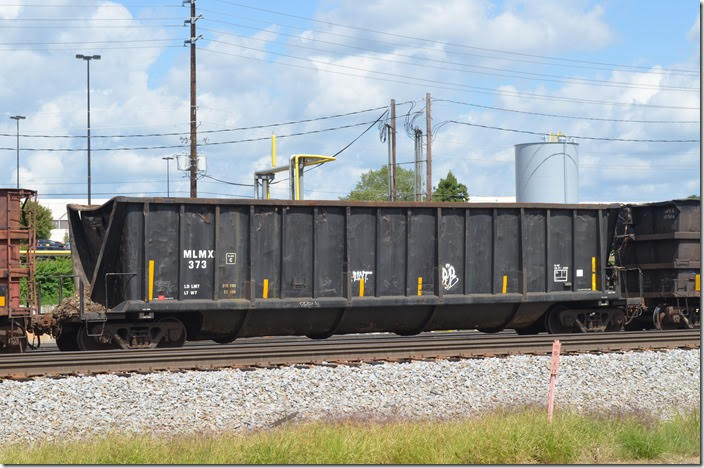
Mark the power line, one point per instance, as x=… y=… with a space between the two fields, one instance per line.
x=531 y=76
x=252 y=127
x=341 y=150
x=112 y=41
x=214 y=143
x=49 y=49
x=89 y=19
x=434 y=83
x=397 y=44
x=96 y=5
x=577 y=137
x=227 y=182
x=112 y=194
x=464 y=46
x=567 y=116
x=77 y=26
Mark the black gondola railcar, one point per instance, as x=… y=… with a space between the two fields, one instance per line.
x=167 y=269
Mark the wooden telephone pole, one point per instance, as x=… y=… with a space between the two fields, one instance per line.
x=194 y=136
x=429 y=152
x=394 y=193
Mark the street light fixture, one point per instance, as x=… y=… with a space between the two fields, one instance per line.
x=167 y=159
x=17 y=118
x=88 y=58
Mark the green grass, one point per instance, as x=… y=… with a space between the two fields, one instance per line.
x=499 y=438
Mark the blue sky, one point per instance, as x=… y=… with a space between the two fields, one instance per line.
x=304 y=59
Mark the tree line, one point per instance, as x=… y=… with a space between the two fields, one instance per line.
x=374 y=185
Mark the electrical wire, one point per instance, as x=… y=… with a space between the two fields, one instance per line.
x=343 y=148
x=397 y=44
x=49 y=49
x=91 y=42
x=112 y=194
x=307 y=59
x=562 y=116
x=214 y=143
x=227 y=182
x=534 y=77
x=222 y=130
x=77 y=26
x=97 y=5
x=445 y=43
x=442 y=85
x=576 y=137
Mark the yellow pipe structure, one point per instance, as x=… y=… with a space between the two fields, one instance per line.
x=308 y=160
x=296 y=172
x=273 y=150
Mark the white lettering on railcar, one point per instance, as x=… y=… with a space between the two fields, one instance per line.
x=191 y=289
x=198 y=257
x=361 y=274
x=560 y=273
x=449 y=278
x=192 y=253
x=230 y=258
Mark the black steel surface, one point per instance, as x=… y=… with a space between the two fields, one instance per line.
x=249 y=268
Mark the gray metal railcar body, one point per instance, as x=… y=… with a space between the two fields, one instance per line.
x=238 y=268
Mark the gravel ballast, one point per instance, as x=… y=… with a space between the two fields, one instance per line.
x=193 y=402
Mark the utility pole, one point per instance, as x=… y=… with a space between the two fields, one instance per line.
x=87 y=59
x=418 y=184
x=167 y=159
x=394 y=193
x=17 y=118
x=429 y=152
x=194 y=137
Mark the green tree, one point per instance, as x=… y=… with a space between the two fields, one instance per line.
x=44 y=221
x=693 y=197
x=374 y=185
x=450 y=190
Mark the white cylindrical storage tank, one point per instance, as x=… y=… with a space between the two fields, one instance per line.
x=547 y=172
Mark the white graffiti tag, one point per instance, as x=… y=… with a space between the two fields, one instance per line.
x=360 y=274
x=449 y=278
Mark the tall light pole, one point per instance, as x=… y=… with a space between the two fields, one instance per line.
x=17 y=118
x=167 y=159
x=88 y=58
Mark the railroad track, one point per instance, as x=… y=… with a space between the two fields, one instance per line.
x=263 y=352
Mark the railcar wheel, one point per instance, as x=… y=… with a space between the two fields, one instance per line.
x=223 y=340
x=68 y=339
x=322 y=336
x=93 y=343
x=20 y=342
x=175 y=336
x=554 y=323
x=533 y=329
x=490 y=330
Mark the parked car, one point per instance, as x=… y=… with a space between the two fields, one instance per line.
x=46 y=244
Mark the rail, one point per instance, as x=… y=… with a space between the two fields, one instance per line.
x=290 y=351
